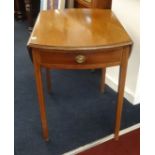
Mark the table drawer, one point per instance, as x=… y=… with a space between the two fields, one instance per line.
x=81 y=58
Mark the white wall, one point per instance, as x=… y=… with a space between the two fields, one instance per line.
x=127 y=11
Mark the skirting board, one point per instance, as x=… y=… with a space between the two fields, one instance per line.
x=102 y=140
x=132 y=98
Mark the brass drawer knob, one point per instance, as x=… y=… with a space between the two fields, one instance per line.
x=80 y=59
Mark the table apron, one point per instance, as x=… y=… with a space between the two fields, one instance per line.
x=79 y=60
x=81 y=67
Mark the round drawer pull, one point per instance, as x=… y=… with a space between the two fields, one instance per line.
x=80 y=59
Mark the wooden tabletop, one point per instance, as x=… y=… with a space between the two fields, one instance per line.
x=78 y=29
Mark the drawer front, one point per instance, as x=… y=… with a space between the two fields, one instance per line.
x=81 y=58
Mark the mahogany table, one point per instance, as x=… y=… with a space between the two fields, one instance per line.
x=79 y=39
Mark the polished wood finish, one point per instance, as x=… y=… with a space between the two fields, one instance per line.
x=122 y=77
x=80 y=29
x=19 y=9
x=102 y=86
x=37 y=69
x=32 y=8
x=93 y=59
x=102 y=4
x=79 y=39
x=82 y=4
x=28 y=7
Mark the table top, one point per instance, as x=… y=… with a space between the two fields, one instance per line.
x=78 y=29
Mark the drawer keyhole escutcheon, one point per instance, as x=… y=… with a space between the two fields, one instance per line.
x=80 y=59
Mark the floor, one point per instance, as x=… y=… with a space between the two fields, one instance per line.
x=76 y=110
x=128 y=144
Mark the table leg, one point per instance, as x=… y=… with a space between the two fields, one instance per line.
x=48 y=80
x=39 y=85
x=122 y=78
x=102 y=86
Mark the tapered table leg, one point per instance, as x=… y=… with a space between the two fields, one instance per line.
x=48 y=80
x=102 y=86
x=39 y=85
x=122 y=78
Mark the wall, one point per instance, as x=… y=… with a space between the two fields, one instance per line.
x=127 y=11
